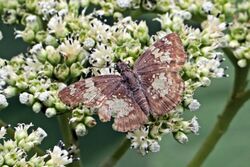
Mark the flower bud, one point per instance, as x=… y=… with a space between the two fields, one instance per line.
x=51 y=40
x=242 y=63
x=84 y=3
x=141 y=32
x=50 y=101
x=1 y=160
x=41 y=36
x=163 y=6
x=74 y=6
x=61 y=71
x=80 y=129
x=48 y=69
x=10 y=158
x=234 y=44
x=243 y=17
x=53 y=55
x=10 y=91
x=27 y=35
x=26 y=98
x=205 y=81
x=148 y=5
x=60 y=106
x=75 y=70
x=33 y=22
x=89 y=121
x=129 y=60
x=3 y=102
x=194 y=105
x=108 y=8
x=154 y=146
x=31 y=5
x=239 y=32
x=181 y=137
x=154 y=132
x=9 y=16
x=89 y=43
x=37 y=107
x=50 y=112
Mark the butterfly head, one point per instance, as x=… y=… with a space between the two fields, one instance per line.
x=122 y=67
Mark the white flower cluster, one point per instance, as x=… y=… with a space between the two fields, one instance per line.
x=67 y=46
x=14 y=152
x=239 y=34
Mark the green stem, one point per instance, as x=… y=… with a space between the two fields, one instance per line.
x=238 y=98
x=11 y=133
x=117 y=154
x=69 y=138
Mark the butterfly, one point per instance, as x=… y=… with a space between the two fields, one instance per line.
x=153 y=87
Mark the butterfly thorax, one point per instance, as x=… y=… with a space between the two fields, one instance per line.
x=129 y=77
x=132 y=81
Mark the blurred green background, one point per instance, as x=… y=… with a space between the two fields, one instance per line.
x=233 y=150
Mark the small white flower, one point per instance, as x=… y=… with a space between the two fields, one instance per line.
x=36 y=48
x=44 y=96
x=101 y=56
x=26 y=98
x=47 y=7
x=214 y=27
x=37 y=136
x=57 y=25
x=70 y=47
x=89 y=43
x=124 y=3
x=219 y=72
x=154 y=146
x=181 y=137
x=80 y=129
x=194 y=125
x=21 y=131
x=2 y=132
x=99 y=31
x=31 y=19
x=205 y=81
x=207 y=6
x=185 y=15
x=50 y=112
x=59 y=157
x=3 y=101
x=242 y=63
x=194 y=105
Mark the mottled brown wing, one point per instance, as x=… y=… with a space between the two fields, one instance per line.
x=167 y=52
x=91 y=92
x=158 y=69
x=121 y=105
x=163 y=90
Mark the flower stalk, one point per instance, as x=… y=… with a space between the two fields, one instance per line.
x=68 y=137
x=117 y=154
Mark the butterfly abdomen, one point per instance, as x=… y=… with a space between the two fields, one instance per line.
x=141 y=100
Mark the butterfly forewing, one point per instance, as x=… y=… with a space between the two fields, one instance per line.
x=91 y=92
x=122 y=106
x=166 y=53
x=158 y=70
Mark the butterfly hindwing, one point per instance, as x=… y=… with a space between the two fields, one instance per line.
x=163 y=91
x=121 y=105
x=90 y=92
